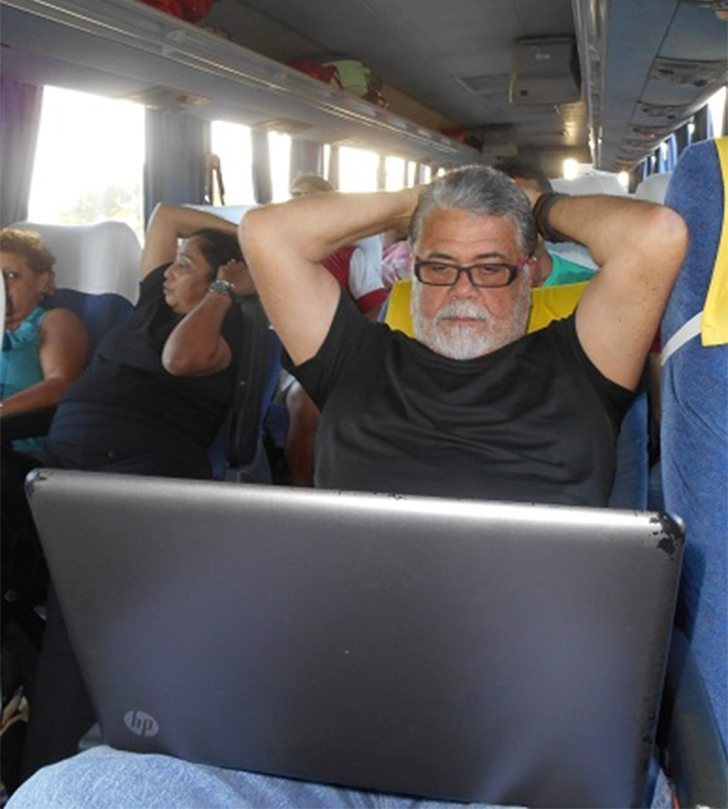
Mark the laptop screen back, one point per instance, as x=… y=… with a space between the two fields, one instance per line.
x=475 y=651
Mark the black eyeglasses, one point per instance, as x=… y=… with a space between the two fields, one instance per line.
x=442 y=274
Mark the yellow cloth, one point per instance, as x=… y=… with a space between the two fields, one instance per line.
x=547 y=304
x=714 y=328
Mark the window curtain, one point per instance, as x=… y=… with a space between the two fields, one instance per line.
x=20 y=107
x=262 y=182
x=177 y=155
x=307 y=157
x=334 y=166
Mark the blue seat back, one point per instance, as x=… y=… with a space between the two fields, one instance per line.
x=237 y=453
x=631 y=476
x=98 y=313
x=694 y=430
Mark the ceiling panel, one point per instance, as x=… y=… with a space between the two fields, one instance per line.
x=453 y=57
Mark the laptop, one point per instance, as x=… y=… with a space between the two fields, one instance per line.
x=451 y=649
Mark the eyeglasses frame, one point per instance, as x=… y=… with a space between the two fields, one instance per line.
x=512 y=272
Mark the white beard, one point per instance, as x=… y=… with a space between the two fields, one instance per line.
x=467 y=341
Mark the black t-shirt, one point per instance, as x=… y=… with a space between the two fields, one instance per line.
x=126 y=390
x=534 y=421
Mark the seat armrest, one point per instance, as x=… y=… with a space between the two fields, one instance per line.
x=31 y=424
x=691 y=748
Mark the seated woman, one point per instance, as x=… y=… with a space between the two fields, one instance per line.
x=43 y=351
x=151 y=402
x=160 y=383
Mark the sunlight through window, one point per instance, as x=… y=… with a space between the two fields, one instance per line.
x=411 y=173
x=279 y=146
x=357 y=169
x=716 y=110
x=571 y=168
x=394 y=176
x=89 y=161
x=232 y=144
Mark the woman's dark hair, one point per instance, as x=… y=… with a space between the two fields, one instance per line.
x=217 y=247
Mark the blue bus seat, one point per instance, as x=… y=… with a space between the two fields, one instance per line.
x=98 y=312
x=97 y=277
x=694 y=429
x=654 y=187
x=237 y=453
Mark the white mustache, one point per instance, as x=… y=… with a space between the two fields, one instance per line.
x=463 y=309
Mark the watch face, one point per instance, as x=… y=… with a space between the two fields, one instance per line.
x=222 y=287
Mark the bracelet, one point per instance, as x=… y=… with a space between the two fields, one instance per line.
x=541 y=214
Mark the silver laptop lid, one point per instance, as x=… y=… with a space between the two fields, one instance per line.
x=477 y=651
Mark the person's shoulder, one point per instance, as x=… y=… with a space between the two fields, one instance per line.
x=151 y=285
x=553 y=339
x=61 y=318
x=155 y=276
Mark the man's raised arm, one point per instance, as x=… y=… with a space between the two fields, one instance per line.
x=284 y=245
x=640 y=248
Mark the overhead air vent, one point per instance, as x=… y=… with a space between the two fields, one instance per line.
x=688 y=72
x=718 y=7
x=545 y=71
x=286 y=126
x=666 y=112
x=486 y=83
x=499 y=141
x=646 y=135
x=166 y=98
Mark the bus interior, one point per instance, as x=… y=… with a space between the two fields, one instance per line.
x=603 y=96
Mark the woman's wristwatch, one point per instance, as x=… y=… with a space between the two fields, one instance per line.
x=222 y=287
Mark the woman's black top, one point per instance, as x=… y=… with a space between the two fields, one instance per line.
x=127 y=413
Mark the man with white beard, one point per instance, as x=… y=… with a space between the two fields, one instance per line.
x=473 y=407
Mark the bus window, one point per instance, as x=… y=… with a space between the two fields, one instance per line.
x=394 y=173
x=411 y=173
x=716 y=110
x=357 y=169
x=232 y=144
x=279 y=146
x=89 y=160
x=571 y=168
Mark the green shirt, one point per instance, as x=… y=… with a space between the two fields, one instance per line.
x=566 y=272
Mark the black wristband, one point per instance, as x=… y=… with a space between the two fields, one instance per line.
x=541 y=215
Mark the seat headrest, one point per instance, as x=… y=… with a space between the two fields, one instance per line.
x=596 y=183
x=547 y=304
x=654 y=187
x=230 y=213
x=101 y=257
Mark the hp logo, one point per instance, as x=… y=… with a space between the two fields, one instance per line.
x=140 y=723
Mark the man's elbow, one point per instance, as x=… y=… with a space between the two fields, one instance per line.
x=255 y=232
x=668 y=238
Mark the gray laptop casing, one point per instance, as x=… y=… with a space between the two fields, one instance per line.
x=476 y=651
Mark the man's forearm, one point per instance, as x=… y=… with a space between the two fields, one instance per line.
x=318 y=225
x=186 y=220
x=607 y=225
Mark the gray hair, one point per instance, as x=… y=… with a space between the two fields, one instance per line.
x=479 y=191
